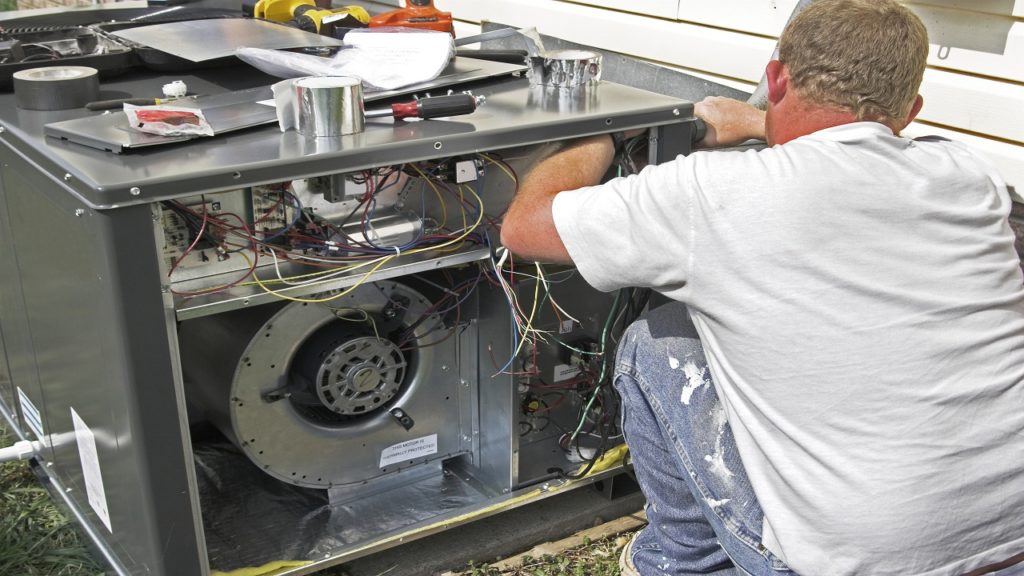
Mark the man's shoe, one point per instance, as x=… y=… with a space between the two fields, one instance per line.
x=626 y=566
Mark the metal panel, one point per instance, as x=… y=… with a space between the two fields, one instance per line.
x=94 y=321
x=262 y=155
x=87 y=325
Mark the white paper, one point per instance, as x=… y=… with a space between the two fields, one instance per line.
x=31 y=414
x=91 y=474
x=565 y=372
x=409 y=450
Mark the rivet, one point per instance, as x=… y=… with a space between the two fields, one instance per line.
x=135 y=191
x=67 y=177
x=79 y=212
x=676 y=112
x=2 y=129
x=437 y=145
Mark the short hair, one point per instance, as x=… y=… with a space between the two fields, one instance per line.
x=864 y=56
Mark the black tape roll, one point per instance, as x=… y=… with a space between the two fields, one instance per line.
x=56 y=87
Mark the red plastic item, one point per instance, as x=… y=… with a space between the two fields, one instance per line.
x=416 y=14
x=172 y=117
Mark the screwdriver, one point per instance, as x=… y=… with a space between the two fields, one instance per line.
x=119 y=102
x=433 y=107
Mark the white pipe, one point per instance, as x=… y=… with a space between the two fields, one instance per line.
x=22 y=450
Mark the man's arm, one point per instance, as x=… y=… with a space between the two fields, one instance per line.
x=730 y=122
x=528 y=229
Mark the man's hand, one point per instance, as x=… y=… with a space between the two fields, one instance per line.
x=730 y=122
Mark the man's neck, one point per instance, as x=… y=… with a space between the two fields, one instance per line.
x=793 y=117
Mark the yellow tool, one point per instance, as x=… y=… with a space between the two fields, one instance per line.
x=306 y=15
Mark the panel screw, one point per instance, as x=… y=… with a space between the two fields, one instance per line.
x=676 y=112
x=2 y=129
x=135 y=191
x=438 y=145
x=67 y=177
x=79 y=212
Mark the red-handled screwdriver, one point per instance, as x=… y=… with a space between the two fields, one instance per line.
x=433 y=107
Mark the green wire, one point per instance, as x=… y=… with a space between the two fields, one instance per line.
x=604 y=365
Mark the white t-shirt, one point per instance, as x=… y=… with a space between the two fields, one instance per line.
x=861 y=306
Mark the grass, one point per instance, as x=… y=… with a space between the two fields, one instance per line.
x=36 y=539
x=599 y=558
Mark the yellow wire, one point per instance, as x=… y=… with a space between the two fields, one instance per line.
x=444 y=207
x=366 y=318
x=329 y=271
x=529 y=321
x=366 y=276
x=462 y=205
x=500 y=165
x=325 y=299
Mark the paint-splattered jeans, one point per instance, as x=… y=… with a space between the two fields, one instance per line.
x=702 y=513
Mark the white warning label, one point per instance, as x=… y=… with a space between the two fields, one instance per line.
x=31 y=414
x=91 y=469
x=409 y=450
x=565 y=372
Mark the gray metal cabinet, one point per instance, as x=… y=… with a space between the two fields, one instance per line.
x=110 y=369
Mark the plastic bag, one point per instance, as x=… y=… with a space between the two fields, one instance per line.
x=168 y=120
x=382 y=58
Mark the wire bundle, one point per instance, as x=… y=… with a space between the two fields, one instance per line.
x=324 y=245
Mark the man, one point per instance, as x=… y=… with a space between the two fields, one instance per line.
x=860 y=313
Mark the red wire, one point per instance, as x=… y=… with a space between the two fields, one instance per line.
x=199 y=236
x=248 y=273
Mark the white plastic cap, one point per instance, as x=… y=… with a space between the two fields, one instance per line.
x=175 y=89
x=24 y=449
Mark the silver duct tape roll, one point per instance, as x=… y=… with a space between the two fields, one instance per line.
x=56 y=87
x=564 y=68
x=329 y=106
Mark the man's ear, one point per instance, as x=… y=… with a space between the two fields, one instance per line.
x=915 y=109
x=777 y=81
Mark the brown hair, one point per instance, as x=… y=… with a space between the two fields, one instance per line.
x=865 y=56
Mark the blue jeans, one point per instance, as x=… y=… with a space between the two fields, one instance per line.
x=703 y=516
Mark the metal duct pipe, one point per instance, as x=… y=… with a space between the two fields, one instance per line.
x=759 y=99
